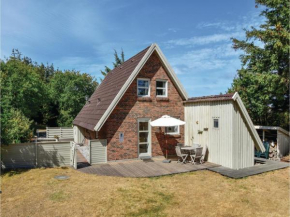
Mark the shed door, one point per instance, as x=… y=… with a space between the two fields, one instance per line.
x=98 y=151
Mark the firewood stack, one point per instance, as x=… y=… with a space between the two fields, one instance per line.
x=273 y=153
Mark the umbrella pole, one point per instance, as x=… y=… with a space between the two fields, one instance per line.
x=166 y=143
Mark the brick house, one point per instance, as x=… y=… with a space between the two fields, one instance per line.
x=119 y=112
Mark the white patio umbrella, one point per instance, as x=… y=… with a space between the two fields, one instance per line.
x=166 y=121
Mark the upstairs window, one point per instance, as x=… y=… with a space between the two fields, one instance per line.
x=143 y=87
x=216 y=123
x=161 y=88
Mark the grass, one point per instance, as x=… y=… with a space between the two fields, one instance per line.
x=202 y=193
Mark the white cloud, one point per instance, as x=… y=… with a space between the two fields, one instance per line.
x=206 y=58
x=172 y=30
x=218 y=25
x=202 y=40
x=227 y=30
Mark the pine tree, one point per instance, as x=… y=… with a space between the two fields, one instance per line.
x=118 y=61
x=263 y=80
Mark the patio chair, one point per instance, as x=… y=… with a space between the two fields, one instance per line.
x=180 y=155
x=197 y=155
x=203 y=154
x=266 y=153
x=181 y=145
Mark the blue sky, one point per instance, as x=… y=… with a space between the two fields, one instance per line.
x=82 y=35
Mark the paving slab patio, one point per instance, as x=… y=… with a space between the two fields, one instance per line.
x=264 y=166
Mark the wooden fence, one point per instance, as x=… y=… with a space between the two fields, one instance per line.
x=30 y=155
x=61 y=132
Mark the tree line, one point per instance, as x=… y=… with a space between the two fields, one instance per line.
x=35 y=95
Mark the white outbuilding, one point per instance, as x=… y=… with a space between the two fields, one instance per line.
x=223 y=124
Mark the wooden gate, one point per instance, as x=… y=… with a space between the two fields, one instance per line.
x=73 y=155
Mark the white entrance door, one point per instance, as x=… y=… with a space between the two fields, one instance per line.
x=144 y=137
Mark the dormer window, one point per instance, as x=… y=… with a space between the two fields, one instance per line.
x=161 y=88
x=143 y=87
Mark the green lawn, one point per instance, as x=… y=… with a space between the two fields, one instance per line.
x=202 y=193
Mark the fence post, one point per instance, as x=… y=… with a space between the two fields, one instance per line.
x=36 y=154
x=90 y=155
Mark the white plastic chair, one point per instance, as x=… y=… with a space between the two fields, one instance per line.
x=197 y=155
x=180 y=155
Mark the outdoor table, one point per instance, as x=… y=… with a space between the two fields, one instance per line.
x=189 y=149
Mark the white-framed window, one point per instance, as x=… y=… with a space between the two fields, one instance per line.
x=216 y=123
x=143 y=87
x=174 y=130
x=161 y=88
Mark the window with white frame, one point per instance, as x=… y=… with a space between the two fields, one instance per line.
x=216 y=123
x=161 y=88
x=173 y=130
x=143 y=87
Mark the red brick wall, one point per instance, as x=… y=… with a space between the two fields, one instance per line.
x=125 y=116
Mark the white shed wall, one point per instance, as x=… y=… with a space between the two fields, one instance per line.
x=243 y=143
x=283 y=142
x=219 y=141
x=232 y=145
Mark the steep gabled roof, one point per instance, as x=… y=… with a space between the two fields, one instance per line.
x=103 y=96
x=236 y=98
x=100 y=105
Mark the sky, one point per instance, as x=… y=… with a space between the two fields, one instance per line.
x=195 y=36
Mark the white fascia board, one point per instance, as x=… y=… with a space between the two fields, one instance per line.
x=244 y=111
x=153 y=47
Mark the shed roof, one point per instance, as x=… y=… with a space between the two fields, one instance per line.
x=221 y=97
x=272 y=128
x=100 y=105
